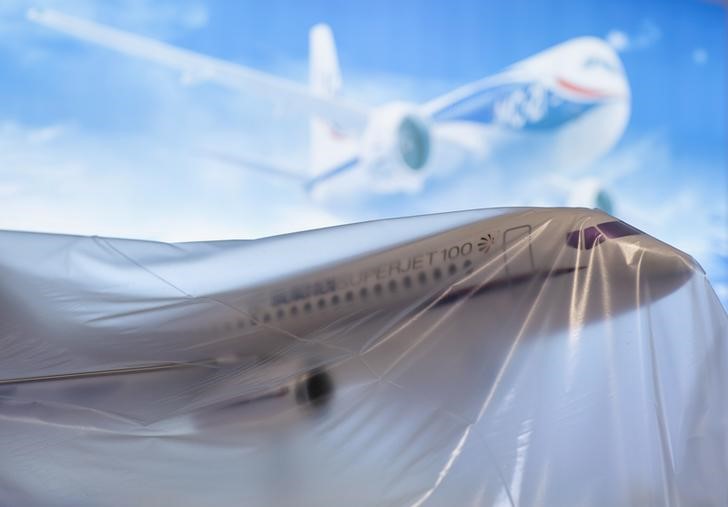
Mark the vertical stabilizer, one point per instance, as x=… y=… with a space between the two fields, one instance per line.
x=324 y=74
x=329 y=145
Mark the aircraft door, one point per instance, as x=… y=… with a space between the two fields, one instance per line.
x=518 y=252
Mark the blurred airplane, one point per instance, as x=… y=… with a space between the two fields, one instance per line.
x=562 y=108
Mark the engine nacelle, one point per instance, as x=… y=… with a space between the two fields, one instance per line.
x=396 y=148
x=590 y=193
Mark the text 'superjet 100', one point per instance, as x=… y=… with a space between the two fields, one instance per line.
x=571 y=104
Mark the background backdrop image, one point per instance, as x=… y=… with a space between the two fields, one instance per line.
x=93 y=142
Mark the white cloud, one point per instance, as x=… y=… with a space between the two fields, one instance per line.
x=45 y=134
x=195 y=16
x=76 y=184
x=8 y=190
x=648 y=35
x=618 y=40
x=155 y=18
x=700 y=56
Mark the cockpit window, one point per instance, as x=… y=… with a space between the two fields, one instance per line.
x=595 y=62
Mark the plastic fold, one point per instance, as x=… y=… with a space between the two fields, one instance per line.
x=488 y=357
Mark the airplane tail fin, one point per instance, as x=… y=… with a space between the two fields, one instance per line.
x=328 y=144
x=325 y=76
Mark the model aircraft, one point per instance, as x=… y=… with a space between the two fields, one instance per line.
x=391 y=362
x=564 y=107
x=99 y=306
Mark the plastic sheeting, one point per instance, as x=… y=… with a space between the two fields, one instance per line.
x=491 y=357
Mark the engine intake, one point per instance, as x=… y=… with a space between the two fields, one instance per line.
x=414 y=142
x=396 y=147
x=315 y=388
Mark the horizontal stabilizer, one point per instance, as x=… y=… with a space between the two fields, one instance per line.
x=259 y=166
x=299 y=176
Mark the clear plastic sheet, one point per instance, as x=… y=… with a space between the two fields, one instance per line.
x=489 y=357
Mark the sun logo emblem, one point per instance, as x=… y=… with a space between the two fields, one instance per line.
x=485 y=243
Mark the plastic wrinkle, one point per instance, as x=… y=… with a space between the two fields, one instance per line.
x=525 y=356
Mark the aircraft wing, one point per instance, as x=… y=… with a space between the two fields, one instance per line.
x=350 y=116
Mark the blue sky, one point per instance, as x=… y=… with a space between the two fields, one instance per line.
x=94 y=142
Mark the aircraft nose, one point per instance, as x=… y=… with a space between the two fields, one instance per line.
x=637 y=257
